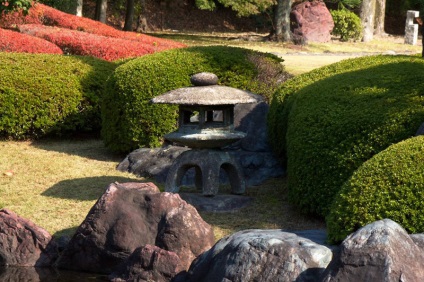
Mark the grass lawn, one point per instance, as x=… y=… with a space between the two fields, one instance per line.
x=55 y=183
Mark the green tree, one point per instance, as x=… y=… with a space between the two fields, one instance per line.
x=15 y=5
x=101 y=8
x=282 y=8
x=367 y=16
x=129 y=15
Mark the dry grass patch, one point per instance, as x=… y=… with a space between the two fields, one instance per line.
x=55 y=183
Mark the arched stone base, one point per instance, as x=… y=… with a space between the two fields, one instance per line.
x=207 y=165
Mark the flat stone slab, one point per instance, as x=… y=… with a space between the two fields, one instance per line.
x=218 y=203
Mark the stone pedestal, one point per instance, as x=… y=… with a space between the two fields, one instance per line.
x=411 y=28
x=207 y=164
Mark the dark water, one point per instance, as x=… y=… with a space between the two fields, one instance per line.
x=32 y=274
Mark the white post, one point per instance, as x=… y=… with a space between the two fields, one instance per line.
x=411 y=28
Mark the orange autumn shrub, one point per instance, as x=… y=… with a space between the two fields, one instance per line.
x=11 y=41
x=86 y=44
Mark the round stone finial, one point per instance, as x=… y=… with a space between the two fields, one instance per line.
x=204 y=79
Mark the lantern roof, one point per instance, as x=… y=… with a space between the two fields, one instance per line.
x=205 y=92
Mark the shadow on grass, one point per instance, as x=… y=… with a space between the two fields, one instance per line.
x=270 y=210
x=85 y=189
x=91 y=148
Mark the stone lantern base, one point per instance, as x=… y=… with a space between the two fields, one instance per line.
x=207 y=164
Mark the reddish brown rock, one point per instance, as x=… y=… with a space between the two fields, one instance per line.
x=311 y=22
x=22 y=243
x=149 y=263
x=132 y=215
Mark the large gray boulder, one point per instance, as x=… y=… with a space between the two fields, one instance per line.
x=380 y=251
x=132 y=215
x=261 y=255
x=22 y=243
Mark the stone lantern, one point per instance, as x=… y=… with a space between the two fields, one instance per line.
x=206 y=124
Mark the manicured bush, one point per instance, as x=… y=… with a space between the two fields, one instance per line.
x=42 y=14
x=335 y=118
x=43 y=94
x=57 y=18
x=85 y=44
x=347 y=25
x=11 y=41
x=130 y=121
x=389 y=185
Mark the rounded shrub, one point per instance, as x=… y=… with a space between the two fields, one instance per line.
x=347 y=25
x=130 y=121
x=43 y=94
x=330 y=121
x=389 y=185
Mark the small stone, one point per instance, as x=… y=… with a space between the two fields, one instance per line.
x=204 y=79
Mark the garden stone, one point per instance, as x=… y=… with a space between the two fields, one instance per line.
x=22 y=243
x=411 y=28
x=252 y=119
x=132 y=215
x=257 y=167
x=151 y=163
x=312 y=22
x=204 y=79
x=148 y=263
x=420 y=130
x=380 y=251
x=261 y=255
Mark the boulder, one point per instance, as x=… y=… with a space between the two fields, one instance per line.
x=148 y=263
x=22 y=243
x=380 y=251
x=252 y=119
x=132 y=215
x=311 y=22
x=261 y=255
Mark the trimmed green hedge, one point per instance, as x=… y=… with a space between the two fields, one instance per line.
x=130 y=121
x=335 y=118
x=346 y=24
x=43 y=94
x=389 y=185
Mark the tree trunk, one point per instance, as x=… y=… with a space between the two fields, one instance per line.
x=367 y=19
x=129 y=15
x=380 y=12
x=142 y=19
x=282 y=21
x=101 y=8
x=79 y=8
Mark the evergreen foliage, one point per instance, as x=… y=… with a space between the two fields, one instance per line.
x=347 y=25
x=331 y=120
x=130 y=121
x=42 y=94
x=389 y=185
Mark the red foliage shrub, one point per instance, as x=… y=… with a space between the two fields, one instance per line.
x=42 y=14
x=86 y=44
x=57 y=18
x=10 y=20
x=11 y=41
